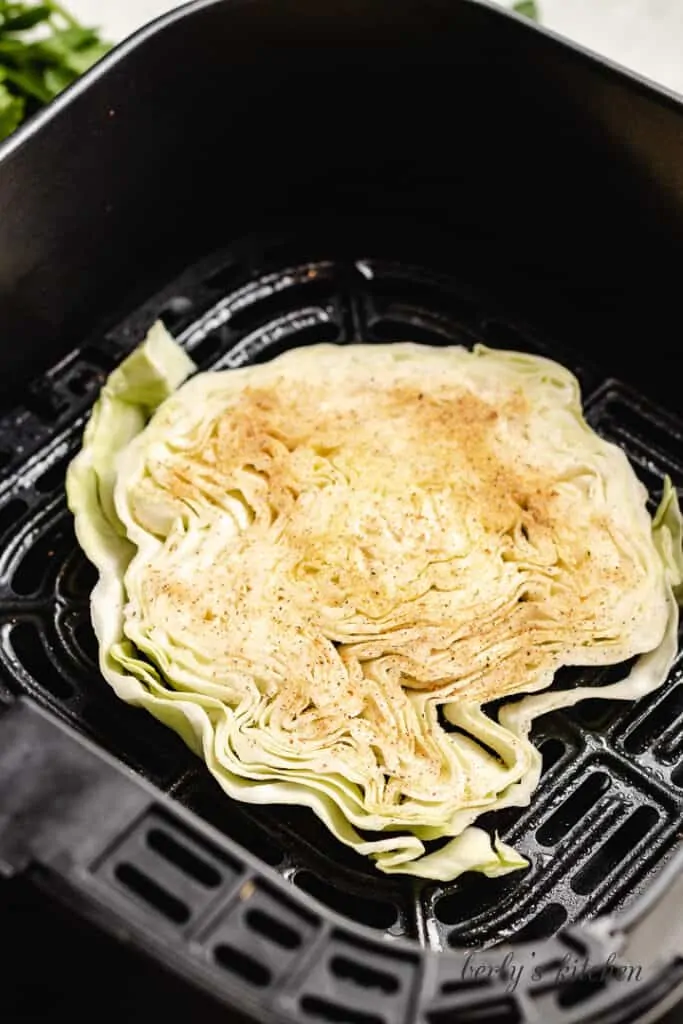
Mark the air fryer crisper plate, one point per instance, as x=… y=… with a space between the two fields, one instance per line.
x=604 y=821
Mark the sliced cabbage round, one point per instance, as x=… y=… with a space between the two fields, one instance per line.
x=319 y=571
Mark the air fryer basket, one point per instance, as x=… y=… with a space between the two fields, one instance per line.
x=263 y=177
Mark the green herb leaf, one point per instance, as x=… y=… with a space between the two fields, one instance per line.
x=529 y=8
x=61 y=45
x=11 y=111
x=62 y=12
x=43 y=50
x=80 y=61
x=56 y=80
x=29 y=82
x=26 y=19
x=10 y=47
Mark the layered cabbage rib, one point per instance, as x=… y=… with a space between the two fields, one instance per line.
x=321 y=570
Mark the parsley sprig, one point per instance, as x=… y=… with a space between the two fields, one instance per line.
x=43 y=49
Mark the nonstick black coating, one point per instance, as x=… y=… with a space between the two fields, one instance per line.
x=607 y=812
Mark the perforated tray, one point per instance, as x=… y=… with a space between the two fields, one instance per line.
x=606 y=817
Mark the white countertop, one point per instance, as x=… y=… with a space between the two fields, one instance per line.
x=644 y=35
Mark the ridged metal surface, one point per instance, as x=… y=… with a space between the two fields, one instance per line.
x=607 y=813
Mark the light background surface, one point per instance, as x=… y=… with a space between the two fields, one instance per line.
x=644 y=35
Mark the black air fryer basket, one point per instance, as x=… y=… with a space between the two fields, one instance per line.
x=263 y=174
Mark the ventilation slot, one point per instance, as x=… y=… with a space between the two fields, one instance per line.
x=11 y=513
x=575 y=943
x=270 y=928
x=656 y=722
x=552 y=750
x=546 y=974
x=465 y=984
x=500 y=1011
x=208 y=348
x=287 y=300
x=364 y=977
x=323 y=1009
x=370 y=912
x=579 y=991
x=80 y=576
x=617 y=848
x=474 y=895
x=274 y=339
x=28 y=646
x=544 y=925
x=53 y=477
x=641 y=427
x=31 y=571
x=84 y=378
x=242 y=965
x=146 y=889
x=86 y=641
x=573 y=809
x=37 y=562
x=183 y=859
